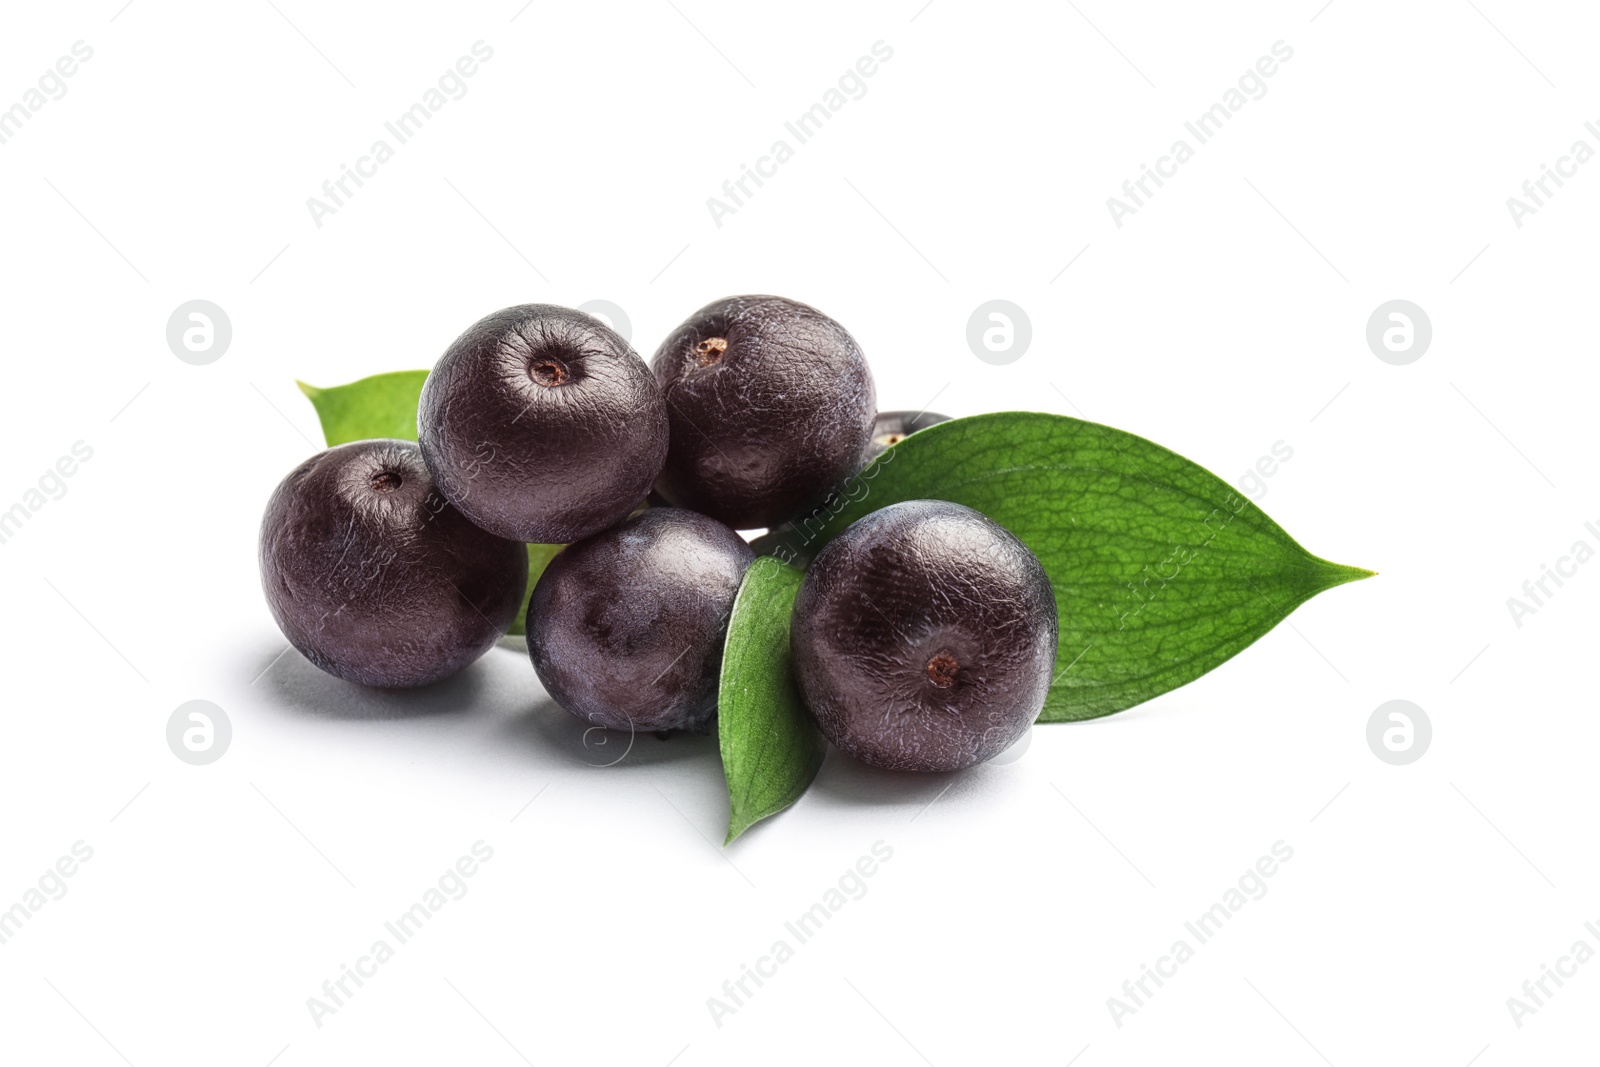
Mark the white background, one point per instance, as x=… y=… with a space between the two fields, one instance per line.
x=1227 y=315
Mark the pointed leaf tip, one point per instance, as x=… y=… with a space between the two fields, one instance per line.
x=1343 y=573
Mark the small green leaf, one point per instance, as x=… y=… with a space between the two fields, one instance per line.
x=1161 y=569
x=770 y=749
x=539 y=557
x=384 y=405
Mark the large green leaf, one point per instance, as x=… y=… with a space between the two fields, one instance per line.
x=385 y=405
x=1161 y=569
x=770 y=749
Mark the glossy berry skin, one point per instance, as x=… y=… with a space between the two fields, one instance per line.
x=625 y=628
x=541 y=424
x=924 y=637
x=771 y=405
x=374 y=577
x=892 y=427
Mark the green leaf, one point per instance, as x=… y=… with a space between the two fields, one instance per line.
x=539 y=557
x=1161 y=569
x=385 y=405
x=770 y=749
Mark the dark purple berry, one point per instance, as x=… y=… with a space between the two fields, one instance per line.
x=374 y=577
x=892 y=427
x=541 y=424
x=626 y=627
x=924 y=637
x=771 y=405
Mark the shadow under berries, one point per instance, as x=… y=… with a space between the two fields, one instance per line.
x=845 y=778
x=306 y=690
x=544 y=728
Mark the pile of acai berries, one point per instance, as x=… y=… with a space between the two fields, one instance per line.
x=923 y=637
